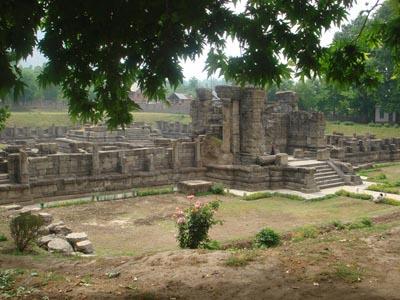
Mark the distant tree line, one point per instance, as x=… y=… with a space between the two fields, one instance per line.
x=356 y=102
x=33 y=92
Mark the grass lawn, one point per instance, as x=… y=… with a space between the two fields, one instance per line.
x=146 y=225
x=386 y=176
x=46 y=119
x=362 y=129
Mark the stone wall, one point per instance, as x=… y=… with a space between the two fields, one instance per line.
x=21 y=133
x=75 y=173
x=288 y=128
x=174 y=130
x=174 y=108
x=255 y=178
x=363 y=149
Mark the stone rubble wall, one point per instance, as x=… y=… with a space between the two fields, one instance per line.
x=21 y=133
x=77 y=173
x=174 y=130
x=174 y=108
x=363 y=149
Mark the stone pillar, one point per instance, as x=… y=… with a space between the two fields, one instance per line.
x=197 y=153
x=39 y=132
x=226 y=125
x=175 y=154
x=150 y=162
x=13 y=162
x=52 y=131
x=95 y=160
x=24 y=168
x=122 y=167
x=235 y=148
x=252 y=133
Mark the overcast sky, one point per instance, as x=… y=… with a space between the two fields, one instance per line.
x=195 y=68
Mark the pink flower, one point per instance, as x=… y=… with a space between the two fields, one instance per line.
x=190 y=197
x=181 y=220
x=197 y=204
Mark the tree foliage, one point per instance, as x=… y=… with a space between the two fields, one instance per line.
x=97 y=49
x=24 y=229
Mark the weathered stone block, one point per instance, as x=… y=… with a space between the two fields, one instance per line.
x=85 y=246
x=60 y=245
x=194 y=186
x=323 y=154
x=298 y=153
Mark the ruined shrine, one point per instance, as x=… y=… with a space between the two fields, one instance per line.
x=237 y=137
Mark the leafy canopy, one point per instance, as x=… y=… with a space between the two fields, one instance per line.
x=97 y=49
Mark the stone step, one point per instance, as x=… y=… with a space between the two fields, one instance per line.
x=331 y=180
x=330 y=185
x=325 y=173
x=4 y=176
x=325 y=178
x=314 y=165
x=5 y=181
x=338 y=181
x=326 y=169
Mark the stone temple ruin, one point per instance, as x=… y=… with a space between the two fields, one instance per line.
x=238 y=139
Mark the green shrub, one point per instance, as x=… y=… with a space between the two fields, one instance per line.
x=348 y=273
x=354 y=195
x=24 y=229
x=194 y=224
x=380 y=176
x=2 y=238
x=384 y=187
x=390 y=201
x=217 y=189
x=371 y=124
x=336 y=122
x=387 y=125
x=322 y=198
x=261 y=195
x=363 y=223
x=338 y=225
x=211 y=245
x=258 y=195
x=367 y=222
x=241 y=258
x=155 y=191
x=396 y=125
x=267 y=238
x=305 y=232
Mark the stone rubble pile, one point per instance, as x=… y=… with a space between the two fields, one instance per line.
x=56 y=236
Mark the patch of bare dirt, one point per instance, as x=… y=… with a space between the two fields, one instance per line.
x=313 y=269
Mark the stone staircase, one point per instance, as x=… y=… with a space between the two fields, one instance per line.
x=4 y=179
x=326 y=176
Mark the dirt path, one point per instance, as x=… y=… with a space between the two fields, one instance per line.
x=357 y=264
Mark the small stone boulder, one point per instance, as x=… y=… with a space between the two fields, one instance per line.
x=76 y=237
x=44 y=240
x=60 y=245
x=84 y=247
x=46 y=218
x=53 y=225
x=59 y=228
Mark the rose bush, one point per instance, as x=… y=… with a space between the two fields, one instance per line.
x=194 y=223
